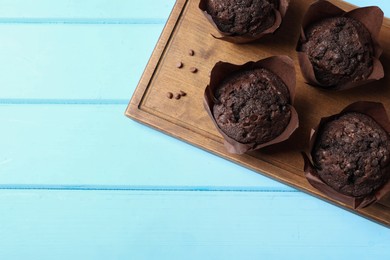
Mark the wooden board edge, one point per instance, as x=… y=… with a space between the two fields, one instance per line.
x=134 y=112
x=155 y=57
x=266 y=169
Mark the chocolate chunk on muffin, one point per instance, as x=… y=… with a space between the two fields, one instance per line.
x=351 y=154
x=252 y=106
x=340 y=50
x=241 y=17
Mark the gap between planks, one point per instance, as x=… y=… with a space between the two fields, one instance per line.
x=26 y=101
x=147 y=188
x=83 y=21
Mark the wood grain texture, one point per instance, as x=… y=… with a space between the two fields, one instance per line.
x=186 y=119
x=147 y=225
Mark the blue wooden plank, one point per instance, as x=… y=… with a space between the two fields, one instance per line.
x=73 y=61
x=86 y=9
x=64 y=146
x=182 y=225
x=383 y=4
x=97 y=145
x=104 y=9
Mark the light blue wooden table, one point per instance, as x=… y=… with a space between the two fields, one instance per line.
x=76 y=179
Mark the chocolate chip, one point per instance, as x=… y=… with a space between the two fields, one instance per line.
x=253 y=117
x=374 y=162
x=223 y=119
x=169 y=95
x=191 y=52
x=273 y=114
x=182 y=93
x=179 y=65
x=177 y=96
x=346 y=139
x=384 y=160
x=193 y=69
x=337 y=57
x=350 y=128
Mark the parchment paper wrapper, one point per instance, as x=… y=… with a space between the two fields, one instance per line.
x=245 y=38
x=378 y=113
x=282 y=66
x=371 y=17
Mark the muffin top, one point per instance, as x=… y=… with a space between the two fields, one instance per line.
x=340 y=50
x=252 y=106
x=239 y=17
x=351 y=153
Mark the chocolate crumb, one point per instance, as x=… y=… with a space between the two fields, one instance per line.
x=179 y=65
x=193 y=69
x=177 y=96
x=169 y=95
x=191 y=52
x=182 y=93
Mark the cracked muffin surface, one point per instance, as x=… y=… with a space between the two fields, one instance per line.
x=351 y=154
x=240 y=17
x=252 y=106
x=340 y=50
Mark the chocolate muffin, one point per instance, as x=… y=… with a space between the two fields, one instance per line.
x=252 y=106
x=242 y=17
x=351 y=154
x=340 y=50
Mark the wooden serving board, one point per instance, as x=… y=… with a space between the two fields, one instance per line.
x=186 y=119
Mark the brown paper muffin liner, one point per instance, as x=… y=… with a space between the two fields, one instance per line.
x=371 y=17
x=378 y=113
x=283 y=67
x=279 y=15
